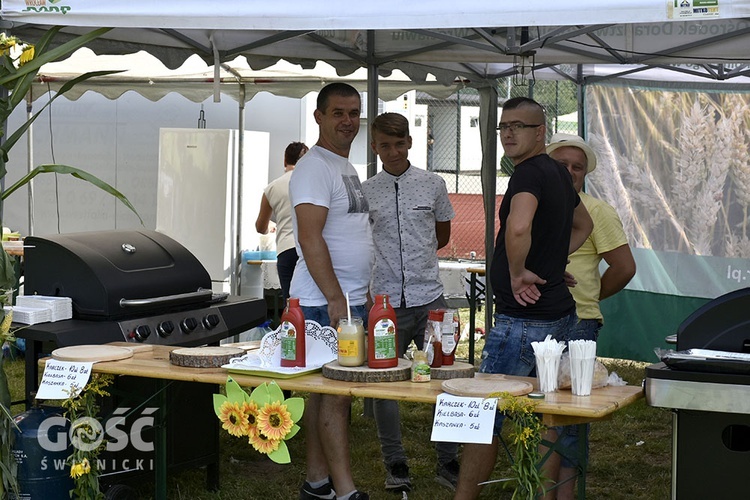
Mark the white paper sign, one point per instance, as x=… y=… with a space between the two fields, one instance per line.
x=62 y=377
x=463 y=420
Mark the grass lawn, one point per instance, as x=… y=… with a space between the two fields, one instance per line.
x=630 y=455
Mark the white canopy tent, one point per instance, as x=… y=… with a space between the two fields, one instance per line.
x=478 y=41
x=143 y=73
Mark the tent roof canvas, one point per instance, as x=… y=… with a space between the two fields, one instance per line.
x=143 y=73
x=479 y=41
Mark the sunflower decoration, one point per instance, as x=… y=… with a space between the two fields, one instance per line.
x=263 y=416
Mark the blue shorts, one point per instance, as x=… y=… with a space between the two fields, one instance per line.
x=319 y=314
x=507 y=347
x=567 y=442
x=585 y=329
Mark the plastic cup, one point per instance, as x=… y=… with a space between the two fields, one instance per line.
x=581 y=375
x=546 y=371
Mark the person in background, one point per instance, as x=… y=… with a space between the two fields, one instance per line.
x=274 y=205
x=542 y=221
x=334 y=244
x=410 y=215
x=607 y=241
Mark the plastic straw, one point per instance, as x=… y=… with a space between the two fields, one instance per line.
x=348 y=309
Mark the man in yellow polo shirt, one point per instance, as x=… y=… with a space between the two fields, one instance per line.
x=607 y=241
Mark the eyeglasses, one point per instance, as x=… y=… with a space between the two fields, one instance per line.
x=515 y=126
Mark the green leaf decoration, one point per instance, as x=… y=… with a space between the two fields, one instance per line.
x=7 y=271
x=292 y=432
x=274 y=392
x=219 y=399
x=260 y=395
x=281 y=455
x=296 y=407
x=235 y=393
x=75 y=172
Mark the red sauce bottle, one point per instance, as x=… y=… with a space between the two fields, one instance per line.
x=292 y=335
x=437 y=358
x=450 y=332
x=432 y=342
x=382 y=344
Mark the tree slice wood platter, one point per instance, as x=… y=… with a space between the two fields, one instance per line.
x=204 y=357
x=458 y=369
x=92 y=353
x=482 y=387
x=335 y=371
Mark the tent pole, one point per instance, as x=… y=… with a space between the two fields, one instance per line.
x=488 y=102
x=372 y=100
x=236 y=261
x=580 y=97
x=30 y=161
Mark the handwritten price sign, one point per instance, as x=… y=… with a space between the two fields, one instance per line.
x=62 y=379
x=463 y=420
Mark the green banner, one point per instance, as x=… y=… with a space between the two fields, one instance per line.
x=635 y=323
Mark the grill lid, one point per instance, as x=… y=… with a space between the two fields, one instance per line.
x=115 y=274
x=723 y=324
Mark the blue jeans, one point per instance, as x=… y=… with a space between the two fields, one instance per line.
x=585 y=329
x=507 y=348
x=319 y=314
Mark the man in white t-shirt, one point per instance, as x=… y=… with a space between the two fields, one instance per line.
x=334 y=244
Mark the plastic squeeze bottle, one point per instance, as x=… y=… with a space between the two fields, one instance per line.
x=449 y=335
x=382 y=350
x=292 y=335
x=432 y=335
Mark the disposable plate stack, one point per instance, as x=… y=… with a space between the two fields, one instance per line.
x=29 y=315
x=59 y=307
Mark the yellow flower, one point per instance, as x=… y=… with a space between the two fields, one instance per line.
x=233 y=419
x=7 y=43
x=274 y=420
x=263 y=444
x=79 y=469
x=250 y=409
x=27 y=54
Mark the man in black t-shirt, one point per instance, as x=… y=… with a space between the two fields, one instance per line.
x=541 y=222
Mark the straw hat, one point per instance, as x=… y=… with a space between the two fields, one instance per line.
x=560 y=140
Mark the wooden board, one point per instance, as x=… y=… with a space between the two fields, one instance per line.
x=481 y=387
x=458 y=369
x=92 y=353
x=135 y=347
x=335 y=371
x=204 y=357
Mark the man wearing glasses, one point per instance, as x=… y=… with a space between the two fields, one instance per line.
x=542 y=221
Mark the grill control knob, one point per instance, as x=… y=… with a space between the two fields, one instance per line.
x=165 y=328
x=211 y=321
x=188 y=325
x=142 y=332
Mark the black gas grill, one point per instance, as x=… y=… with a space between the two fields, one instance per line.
x=707 y=384
x=133 y=286
x=139 y=287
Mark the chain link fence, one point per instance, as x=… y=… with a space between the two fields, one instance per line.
x=454 y=152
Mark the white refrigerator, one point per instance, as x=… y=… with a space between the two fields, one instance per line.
x=202 y=196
